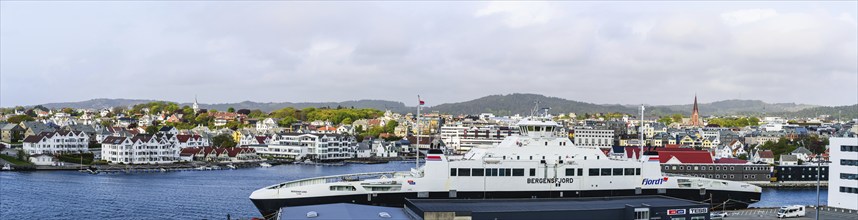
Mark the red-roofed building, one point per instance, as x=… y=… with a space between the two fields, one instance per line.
x=684 y=157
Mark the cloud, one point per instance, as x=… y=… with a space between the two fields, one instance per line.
x=445 y=51
x=745 y=16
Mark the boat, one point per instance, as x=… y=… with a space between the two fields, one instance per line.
x=7 y=167
x=538 y=163
x=263 y=164
x=202 y=168
x=230 y=166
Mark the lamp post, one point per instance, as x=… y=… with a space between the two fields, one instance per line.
x=818 y=165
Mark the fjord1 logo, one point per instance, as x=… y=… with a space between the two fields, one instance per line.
x=648 y=181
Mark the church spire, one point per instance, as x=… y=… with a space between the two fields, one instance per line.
x=695 y=114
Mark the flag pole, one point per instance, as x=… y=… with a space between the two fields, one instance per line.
x=417 y=145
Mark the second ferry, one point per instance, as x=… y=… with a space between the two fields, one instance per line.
x=538 y=163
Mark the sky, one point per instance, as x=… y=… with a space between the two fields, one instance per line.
x=655 y=53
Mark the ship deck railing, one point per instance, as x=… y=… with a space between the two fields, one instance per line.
x=340 y=178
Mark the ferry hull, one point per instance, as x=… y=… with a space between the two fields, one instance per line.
x=719 y=199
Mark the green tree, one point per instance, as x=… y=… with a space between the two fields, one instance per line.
x=665 y=120
x=286 y=122
x=390 y=126
x=152 y=129
x=223 y=140
x=256 y=114
x=203 y=119
x=677 y=118
x=346 y=121
x=19 y=118
x=230 y=109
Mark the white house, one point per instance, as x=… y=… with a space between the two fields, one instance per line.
x=345 y=129
x=267 y=125
x=185 y=140
x=802 y=153
x=56 y=142
x=43 y=160
x=788 y=160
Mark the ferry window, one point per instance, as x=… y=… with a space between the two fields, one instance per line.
x=618 y=171
x=452 y=171
x=517 y=172
x=532 y=172
x=464 y=172
x=698 y=217
x=629 y=171
x=606 y=172
x=492 y=172
x=638 y=171
x=580 y=171
x=732 y=168
x=477 y=172
x=517 y=157
x=529 y=128
x=594 y=172
x=570 y=172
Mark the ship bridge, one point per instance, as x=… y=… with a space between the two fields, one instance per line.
x=538 y=127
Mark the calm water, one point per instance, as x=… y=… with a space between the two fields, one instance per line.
x=191 y=195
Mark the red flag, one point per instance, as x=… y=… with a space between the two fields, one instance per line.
x=421 y=100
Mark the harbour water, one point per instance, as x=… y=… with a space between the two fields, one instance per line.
x=193 y=194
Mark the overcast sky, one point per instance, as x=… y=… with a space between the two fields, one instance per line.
x=602 y=52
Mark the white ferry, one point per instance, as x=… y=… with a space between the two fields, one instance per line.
x=538 y=163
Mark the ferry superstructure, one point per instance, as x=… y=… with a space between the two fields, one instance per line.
x=538 y=163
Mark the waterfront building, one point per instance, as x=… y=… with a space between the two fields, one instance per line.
x=57 y=142
x=593 y=137
x=140 y=149
x=11 y=132
x=301 y=146
x=843 y=187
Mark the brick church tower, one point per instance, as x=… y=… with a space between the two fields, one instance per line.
x=695 y=115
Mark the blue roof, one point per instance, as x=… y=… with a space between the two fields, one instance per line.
x=342 y=211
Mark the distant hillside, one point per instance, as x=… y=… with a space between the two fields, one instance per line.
x=271 y=106
x=96 y=103
x=845 y=112
x=733 y=106
x=518 y=103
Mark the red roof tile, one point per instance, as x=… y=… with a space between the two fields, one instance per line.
x=685 y=156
